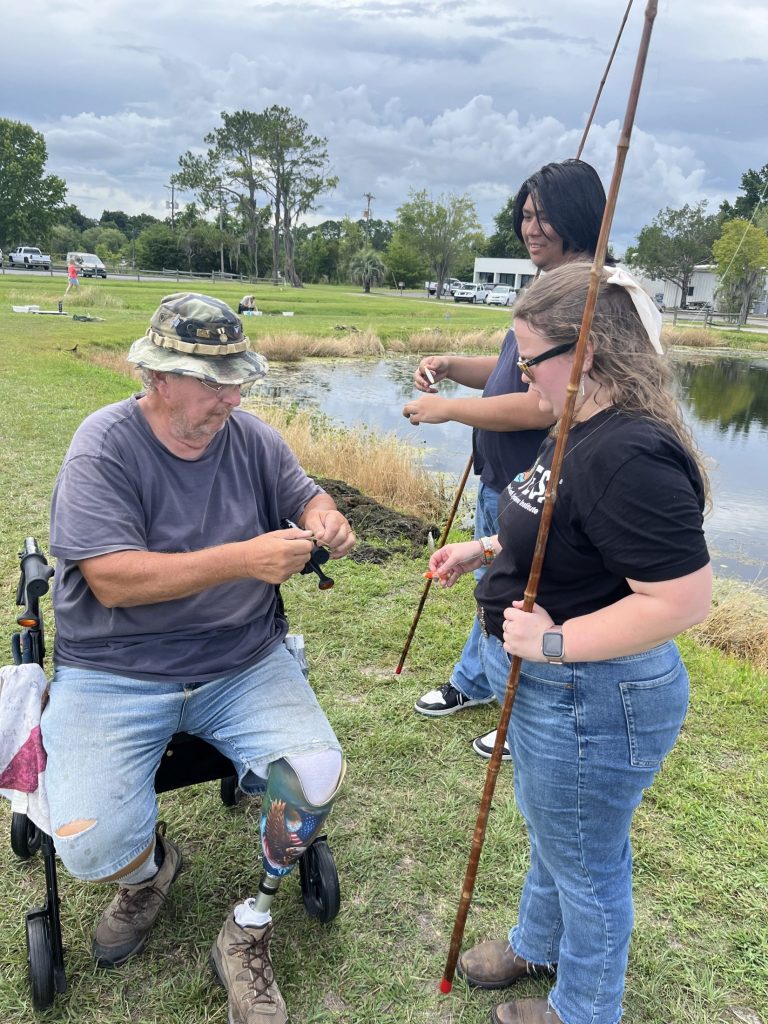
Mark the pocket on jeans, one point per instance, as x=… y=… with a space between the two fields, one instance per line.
x=654 y=710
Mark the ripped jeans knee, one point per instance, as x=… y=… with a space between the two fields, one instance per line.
x=92 y=853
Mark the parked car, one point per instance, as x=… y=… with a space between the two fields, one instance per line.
x=29 y=257
x=502 y=295
x=470 y=293
x=449 y=286
x=88 y=264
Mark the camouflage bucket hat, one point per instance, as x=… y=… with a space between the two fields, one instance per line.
x=198 y=336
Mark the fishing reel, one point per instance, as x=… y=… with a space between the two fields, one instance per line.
x=317 y=559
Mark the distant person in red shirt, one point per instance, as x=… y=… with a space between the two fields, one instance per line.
x=72 y=281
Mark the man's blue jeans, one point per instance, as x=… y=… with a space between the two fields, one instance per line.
x=468 y=676
x=105 y=735
x=586 y=739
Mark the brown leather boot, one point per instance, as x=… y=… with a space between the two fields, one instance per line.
x=124 y=927
x=494 y=965
x=525 y=1011
x=242 y=961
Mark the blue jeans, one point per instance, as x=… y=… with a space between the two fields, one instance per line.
x=468 y=675
x=586 y=739
x=105 y=734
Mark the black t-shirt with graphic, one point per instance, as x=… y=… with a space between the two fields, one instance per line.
x=629 y=506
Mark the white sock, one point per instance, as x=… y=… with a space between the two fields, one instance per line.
x=247 y=916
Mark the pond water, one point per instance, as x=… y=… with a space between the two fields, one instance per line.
x=725 y=402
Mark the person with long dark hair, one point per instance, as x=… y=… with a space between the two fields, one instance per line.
x=557 y=215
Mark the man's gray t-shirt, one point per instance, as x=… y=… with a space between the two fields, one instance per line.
x=121 y=489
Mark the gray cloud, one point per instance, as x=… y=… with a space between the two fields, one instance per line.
x=410 y=95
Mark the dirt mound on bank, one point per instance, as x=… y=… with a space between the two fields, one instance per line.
x=390 y=531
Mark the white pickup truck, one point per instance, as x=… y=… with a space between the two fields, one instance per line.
x=470 y=293
x=29 y=257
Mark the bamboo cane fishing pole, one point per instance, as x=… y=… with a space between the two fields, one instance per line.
x=465 y=476
x=550 y=497
x=428 y=584
x=602 y=81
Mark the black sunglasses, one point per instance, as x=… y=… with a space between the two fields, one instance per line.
x=524 y=365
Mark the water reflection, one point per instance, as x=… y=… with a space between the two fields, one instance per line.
x=725 y=403
x=732 y=394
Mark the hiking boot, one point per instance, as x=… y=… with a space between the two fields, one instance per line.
x=525 y=1011
x=446 y=700
x=242 y=963
x=483 y=746
x=124 y=927
x=494 y=965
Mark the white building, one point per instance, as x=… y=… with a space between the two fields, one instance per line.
x=497 y=270
x=701 y=289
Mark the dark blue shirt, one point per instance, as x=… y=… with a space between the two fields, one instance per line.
x=499 y=455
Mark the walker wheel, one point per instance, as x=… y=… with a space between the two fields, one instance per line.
x=40 y=959
x=231 y=794
x=320 y=881
x=25 y=836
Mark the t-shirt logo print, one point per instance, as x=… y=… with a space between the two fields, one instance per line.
x=536 y=484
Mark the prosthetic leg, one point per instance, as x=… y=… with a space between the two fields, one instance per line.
x=300 y=792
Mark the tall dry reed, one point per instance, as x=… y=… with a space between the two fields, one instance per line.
x=691 y=337
x=291 y=347
x=380 y=466
x=435 y=340
x=737 y=623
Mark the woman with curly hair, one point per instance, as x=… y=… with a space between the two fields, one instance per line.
x=603 y=691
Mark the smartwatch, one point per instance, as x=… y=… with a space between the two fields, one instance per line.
x=553 y=645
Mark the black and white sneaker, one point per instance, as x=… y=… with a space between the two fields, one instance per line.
x=446 y=700
x=483 y=746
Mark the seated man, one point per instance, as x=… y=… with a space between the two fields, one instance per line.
x=165 y=523
x=247 y=304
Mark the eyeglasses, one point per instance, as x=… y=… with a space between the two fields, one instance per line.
x=220 y=389
x=524 y=365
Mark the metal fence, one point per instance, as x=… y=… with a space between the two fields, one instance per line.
x=166 y=274
x=712 y=318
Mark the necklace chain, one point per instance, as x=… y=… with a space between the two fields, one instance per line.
x=572 y=449
x=593 y=431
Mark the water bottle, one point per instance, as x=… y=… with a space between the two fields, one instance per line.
x=61 y=306
x=295 y=645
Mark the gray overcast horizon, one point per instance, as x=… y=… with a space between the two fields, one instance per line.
x=444 y=95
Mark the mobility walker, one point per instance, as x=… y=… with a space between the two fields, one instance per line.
x=187 y=760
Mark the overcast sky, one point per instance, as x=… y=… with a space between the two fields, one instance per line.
x=448 y=96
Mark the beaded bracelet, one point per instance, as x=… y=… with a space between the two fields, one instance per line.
x=487 y=548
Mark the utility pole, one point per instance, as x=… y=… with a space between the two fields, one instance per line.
x=221 y=231
x=172 y=204
x=367 y=214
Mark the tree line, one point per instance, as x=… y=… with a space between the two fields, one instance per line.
x=249 y=193
x=734 y=240
x=247 y=198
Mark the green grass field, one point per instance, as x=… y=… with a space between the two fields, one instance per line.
x=401 y=830
x=317 y=309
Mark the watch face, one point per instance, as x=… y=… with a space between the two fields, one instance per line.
x=552 y=645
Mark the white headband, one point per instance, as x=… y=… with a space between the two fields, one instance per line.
x=646 y=308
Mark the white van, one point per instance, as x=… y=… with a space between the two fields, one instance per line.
x=88 y=264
